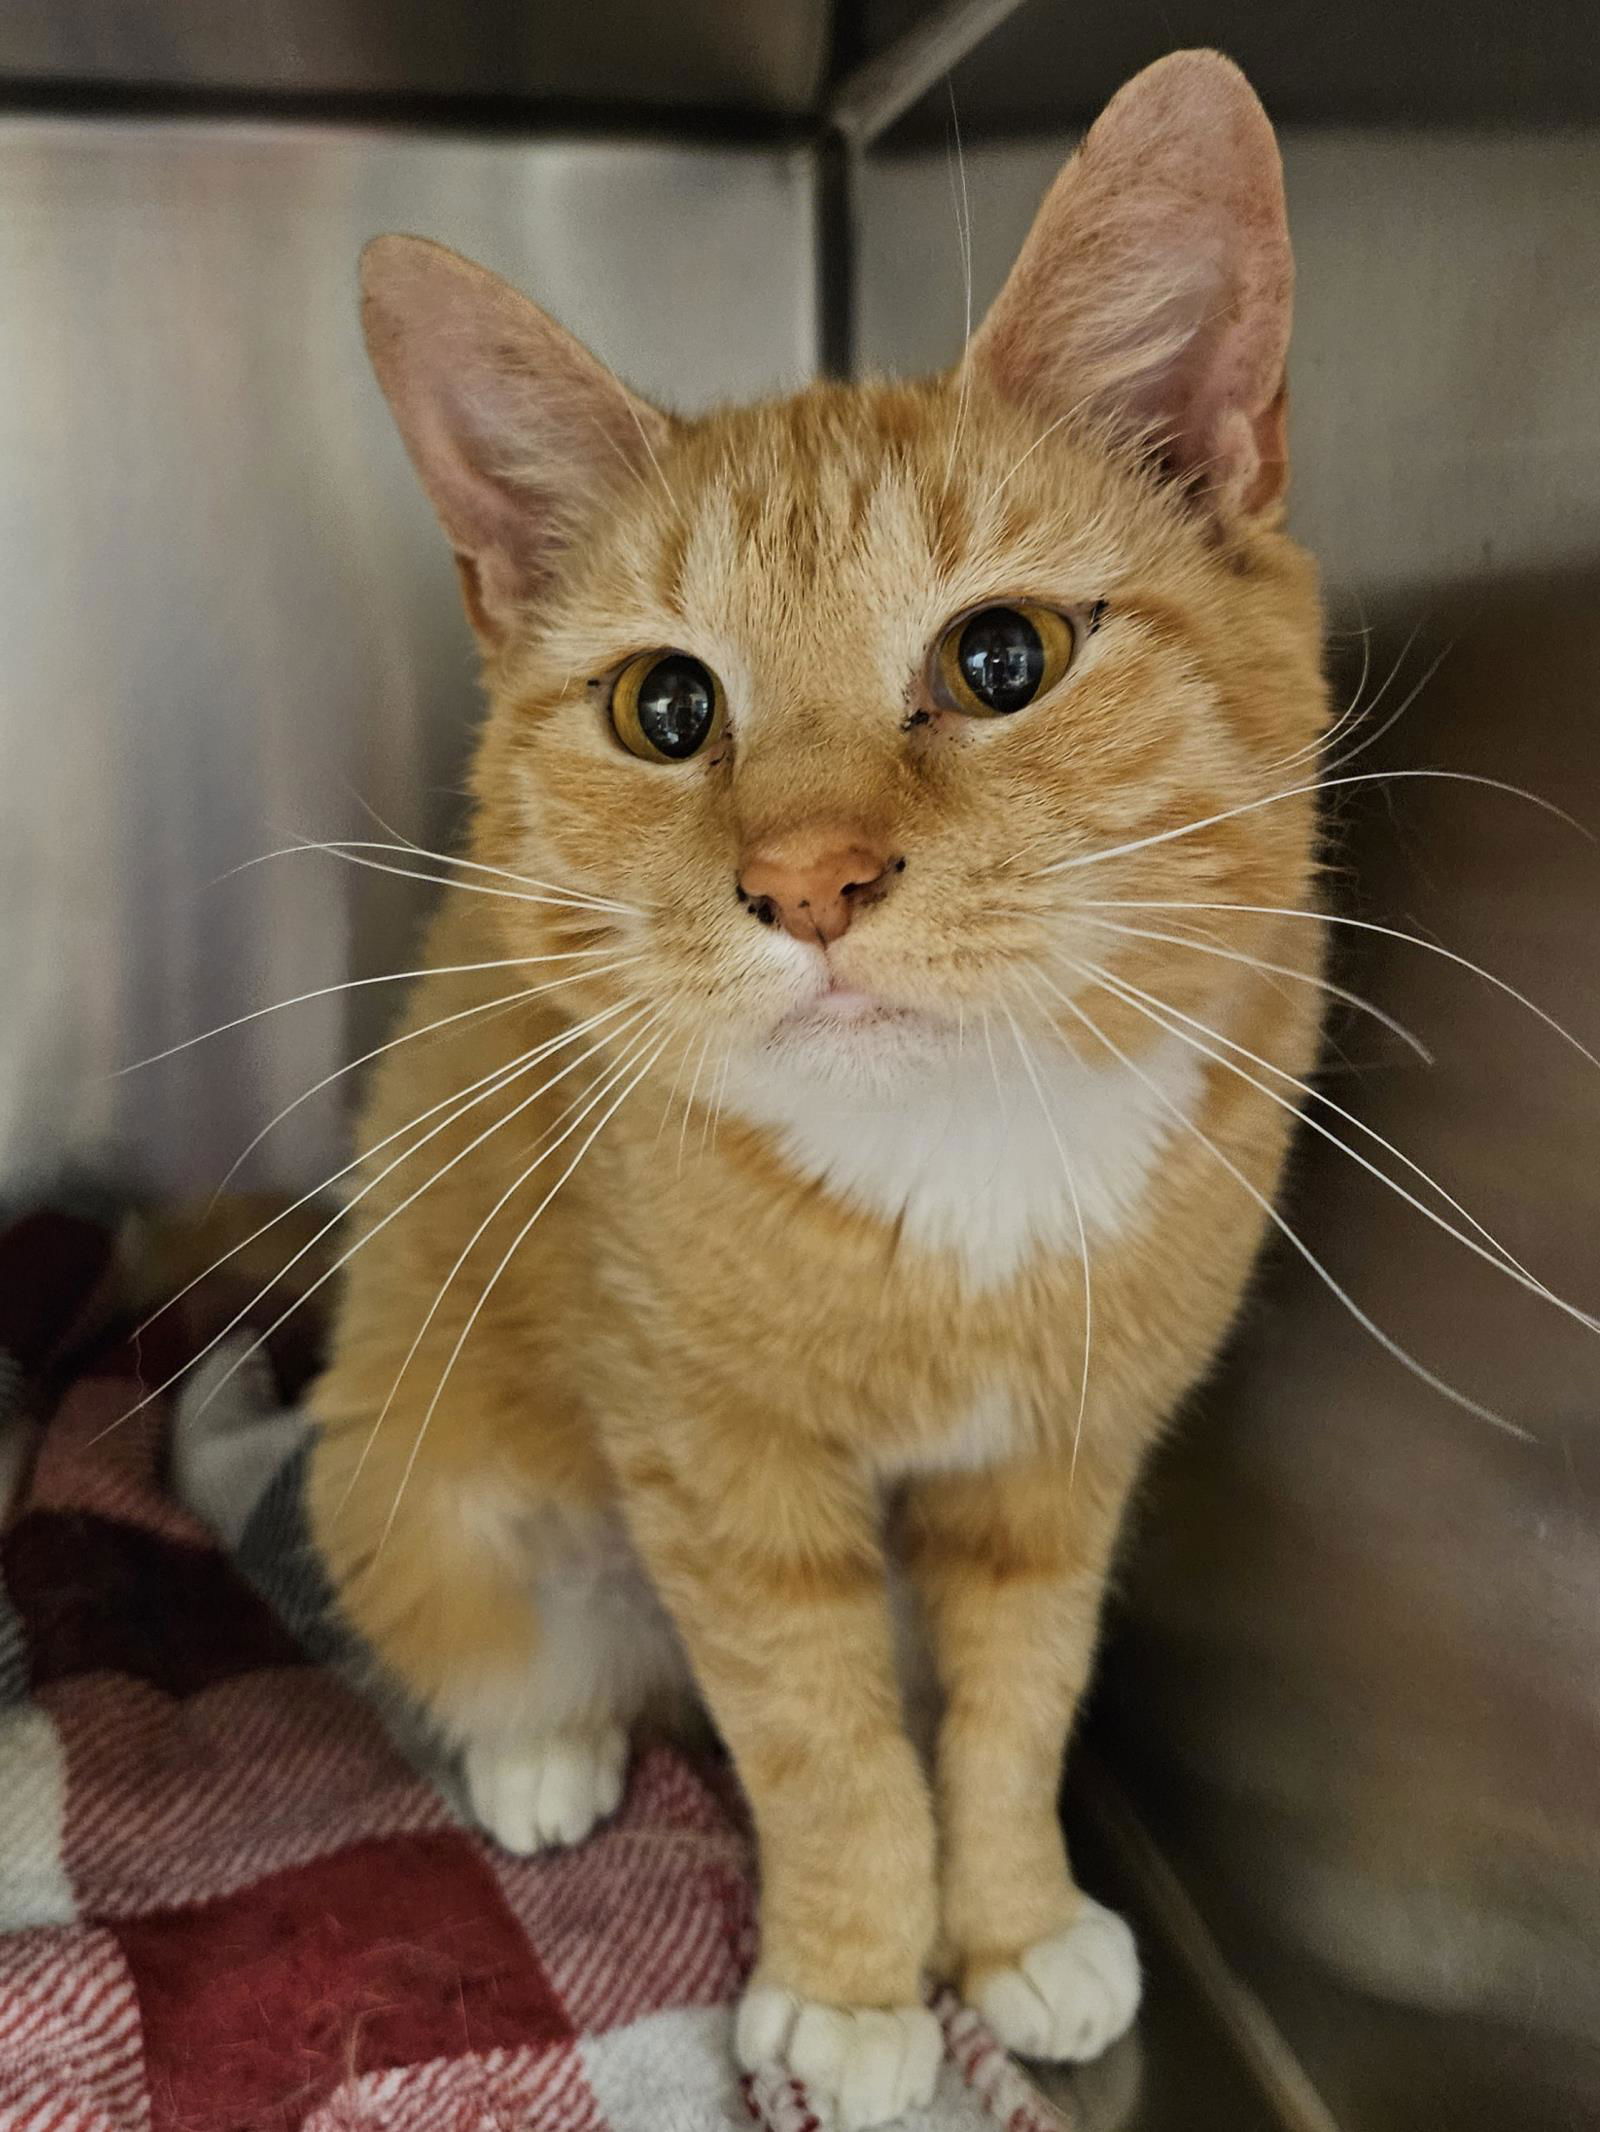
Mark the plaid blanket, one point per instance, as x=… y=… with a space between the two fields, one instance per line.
x=232 y=1899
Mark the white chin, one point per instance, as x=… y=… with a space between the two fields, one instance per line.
x=856 y=1047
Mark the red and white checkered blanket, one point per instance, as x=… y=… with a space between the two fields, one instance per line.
x=228 y=1904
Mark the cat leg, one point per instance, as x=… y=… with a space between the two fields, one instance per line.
x=1011 y=1565
x=606 y=1651
x=773 y=1572
x=526 y=1635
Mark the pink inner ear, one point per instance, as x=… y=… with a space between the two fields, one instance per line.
x=1155 y=286
x=513 y=426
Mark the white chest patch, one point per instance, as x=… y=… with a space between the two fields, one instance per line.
x=989 y=1172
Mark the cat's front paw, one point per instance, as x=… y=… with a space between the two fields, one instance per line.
x=860 y=2066
x=1067 y=1997
x=536 y=1793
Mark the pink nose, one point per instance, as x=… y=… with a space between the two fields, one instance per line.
x=812 y=881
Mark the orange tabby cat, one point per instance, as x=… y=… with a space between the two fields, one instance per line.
x=831 y=1194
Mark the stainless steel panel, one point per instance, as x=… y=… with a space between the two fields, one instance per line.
x=1446 y=426
x=1360 y=1665
x=225 y=614
x=1356 y=1682
x=1363 y=62
x=696 y=52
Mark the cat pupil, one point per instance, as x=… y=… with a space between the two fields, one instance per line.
x=675 y=705
x=1002 y=658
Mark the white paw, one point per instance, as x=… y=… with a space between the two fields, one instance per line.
x=541 y=1792
x=859 y=2066
x=1070 y=1996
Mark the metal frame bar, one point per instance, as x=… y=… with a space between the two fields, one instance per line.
x=858 y=109
x=865 y=104
x=551 y=118
x=857 y=106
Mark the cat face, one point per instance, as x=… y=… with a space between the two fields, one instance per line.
x=843 y=709
x=850 y=866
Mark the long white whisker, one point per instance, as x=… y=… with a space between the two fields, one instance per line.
x=650 y=450
x=1158 y=1011
x=688 y=1105
x=398 y=838
x=405 y=844
x=1371 y=739
x=456 y=1108
x=642 y=1033
x=1043 y=437
x=672 y=1092
x=964 y=235
x=1354 y=713
x=1324 y=784
x=1320 y=743
x=506 y=999
x=994 y=1064
x=407 y=847
x=510 y=1252
x=994 y=1068
x=719 y=1093
x=355 y=984
x=557 y=894
x=353 y=851
x=1275 y=969
x=394 y=1212
x=1385 y=1341
x=498 y=1076
x=1363 y=925
x=708 y=1122
x=1083 y=1238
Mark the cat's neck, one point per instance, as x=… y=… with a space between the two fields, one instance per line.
x=974 y=1157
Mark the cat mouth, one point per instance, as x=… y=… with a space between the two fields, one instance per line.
x=844 y=1007
x=845 y=1003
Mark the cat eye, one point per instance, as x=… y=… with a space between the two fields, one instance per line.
x=998 y=660
x=665 y=706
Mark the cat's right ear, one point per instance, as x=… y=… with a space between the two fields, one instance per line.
x=514 y=427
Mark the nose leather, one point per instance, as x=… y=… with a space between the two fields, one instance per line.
x=813 y=881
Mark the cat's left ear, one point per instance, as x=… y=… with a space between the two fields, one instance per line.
x=514 y=427
x=1154 y=289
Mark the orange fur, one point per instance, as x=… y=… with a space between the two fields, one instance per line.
x=705 y=1353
